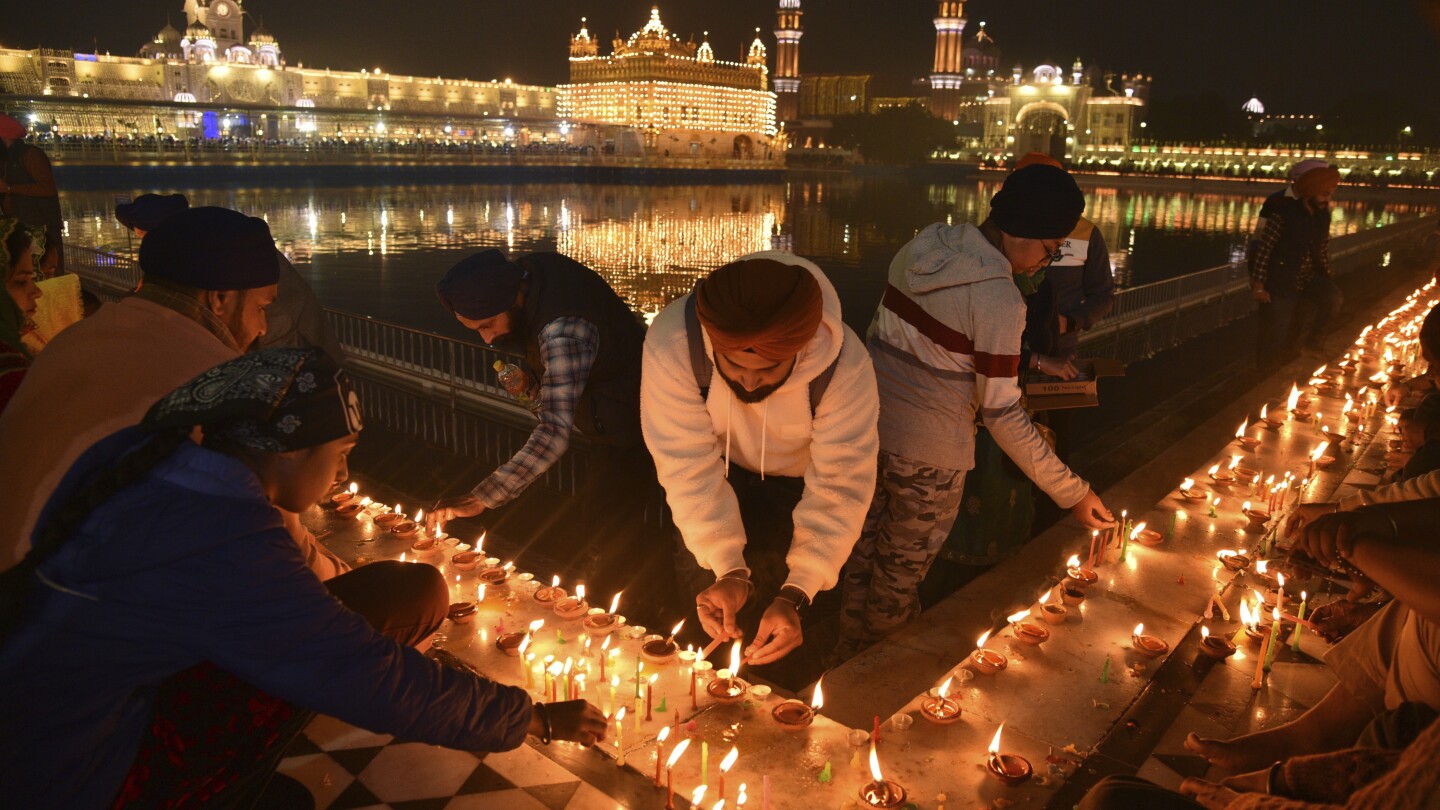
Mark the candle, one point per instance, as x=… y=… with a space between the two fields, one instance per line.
x=1280 y=592
x=765 y=792
x=614 y=684
x=725 y=765
x=669 y=765
x=620 y=735
x=1011 y=769
x=1295 y=639
x=704 y=762
x=650 y=696
x=638 y=666
x=1094 y=540
x=1259 y=679
x=660 y=752
x=569 y=662
x=1105 y=671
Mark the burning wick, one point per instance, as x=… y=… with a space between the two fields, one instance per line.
x=880 y=793
x=1011 y=769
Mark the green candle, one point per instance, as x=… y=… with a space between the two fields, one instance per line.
x=1105 y=673
x=1173 y=516
x=1295 y=639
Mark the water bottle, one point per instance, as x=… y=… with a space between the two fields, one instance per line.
x=519 y=385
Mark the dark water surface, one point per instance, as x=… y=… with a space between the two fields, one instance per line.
x=378 y=250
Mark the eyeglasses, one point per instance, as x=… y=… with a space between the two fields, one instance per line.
x=1054 y=254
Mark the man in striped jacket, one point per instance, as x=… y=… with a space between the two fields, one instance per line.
x=945 y=342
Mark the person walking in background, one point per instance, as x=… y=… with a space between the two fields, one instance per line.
x=17 y=262
x=27 y=187
x=1290 y=271
x=946 y=345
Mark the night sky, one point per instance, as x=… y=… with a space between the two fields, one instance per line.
x=1296 y=55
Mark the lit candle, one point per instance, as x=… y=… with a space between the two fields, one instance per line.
x=1259 y=679
x=704 y=762
x=614 y=684
x=650 y=696
x=1094 y=541
x=1295 y=639
x=725 y=765
x=660 y=752
x=669 y=766
x=620 y=735
x=565 y=673
x=604 y=653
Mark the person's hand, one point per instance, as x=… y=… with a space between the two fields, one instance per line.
x=1335 y=620
x=1208 y=794
x=778 y=636
x=572 y=720
x=1056 y=367
x=1260 y=295
x=1091 y=512
x=718 y=604
x=447 y=509
x=1252 y=782
x=1307 y=513
x=1332 y=538
x=1396 y=391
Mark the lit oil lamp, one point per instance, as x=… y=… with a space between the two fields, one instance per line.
x=1027 y=632
x=1147 y=537
x=1188 y=490
x=551 y=594
x=985 y=661
x=514 y=644
x=1148 y=645
x=1079 y=576
x=602 y=623
x=794 y=715
x=1233 y=560
x=941 y=709
x=1250 y=619
x=573 y=607
x=1258 y=517
x=409 y=527
x=1222 y=476
x=1247 y=442
x=880 y=792
x=1012 y=770
x=658 y=650
x=1269 y=418
x=1320 y=459
x=1215 y=646
x=1054 y=614
x=496 y=575
x=727 y=687
x=387 y=519
x=345 y=495
x=467 y=560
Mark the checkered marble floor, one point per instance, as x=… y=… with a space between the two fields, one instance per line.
x=345 y=768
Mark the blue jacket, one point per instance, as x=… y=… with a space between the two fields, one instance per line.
x=192 y=564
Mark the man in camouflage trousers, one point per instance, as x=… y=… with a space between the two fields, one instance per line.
x=945 y=342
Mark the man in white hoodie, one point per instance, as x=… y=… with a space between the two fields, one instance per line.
x=946 y=345
x=769 y=471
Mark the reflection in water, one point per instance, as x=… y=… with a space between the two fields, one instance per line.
x=379 y=250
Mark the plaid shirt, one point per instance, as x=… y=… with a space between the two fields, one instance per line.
x=1315 y=260
x=567 y=348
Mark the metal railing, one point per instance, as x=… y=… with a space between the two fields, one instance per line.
x=1150 y=318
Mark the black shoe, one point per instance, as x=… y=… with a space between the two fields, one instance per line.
x=285 y=793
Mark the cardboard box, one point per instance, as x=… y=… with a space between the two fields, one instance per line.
x=1043 y=393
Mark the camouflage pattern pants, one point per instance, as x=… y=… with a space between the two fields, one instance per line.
x=913 y=511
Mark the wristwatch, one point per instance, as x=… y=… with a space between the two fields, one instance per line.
x=795 y=597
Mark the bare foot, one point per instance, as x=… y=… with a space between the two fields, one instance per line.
x=1247 y=753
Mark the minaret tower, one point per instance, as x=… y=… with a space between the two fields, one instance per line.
x=947 y=74
x=787 y=60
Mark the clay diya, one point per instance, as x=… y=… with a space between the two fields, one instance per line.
x=550 y=594
x=726 y=688
x=658 y=649
x=1249 y=442
x=1071 y=596
x=1257 y=517
x=1222 y=476
x=1245 y=473
x=1151 y=646
x=495 y=576
x=1011 y=769
x=882 y=793
x=599 y=623
x=1256 y=634
x=987 y=662
x=1054 y=614
x=793 y=715
x=423 y=542
x=1194 y=494
x=573 y=607
x=1032 y=634
x=466 y=561
x=348 y=509
x=939 y=708
x=509 y=643
x=461 y=612
x=1149 y=538
x=405 y=528
x=344 y=495
x=1217 y=647
x=1234 y=560
x=1080 y=578
x=386 y=520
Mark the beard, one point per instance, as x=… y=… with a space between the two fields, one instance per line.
x=512 y=339
x=759 y=394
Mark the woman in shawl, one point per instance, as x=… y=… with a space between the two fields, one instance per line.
x=156 y=554
x=16 y=306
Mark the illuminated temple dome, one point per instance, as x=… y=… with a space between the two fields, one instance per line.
x=684 y=100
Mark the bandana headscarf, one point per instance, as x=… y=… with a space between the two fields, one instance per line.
x=760 y=305
x=12 y=318
x=272 y=401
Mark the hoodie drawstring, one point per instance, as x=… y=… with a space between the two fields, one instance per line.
x=764 y=431
x=729 y=409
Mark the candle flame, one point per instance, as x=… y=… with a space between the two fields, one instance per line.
x=1245 y=507
x=1246 y=617
x=980 y=643
x=676 y=752
x=1240 y=431
x=555 y=581
x=735 y=659
x=402 y=556
x=480 y=543
x=1234 y=462
x=994 y=748
x=1275 y=616
x=1139 y=629
x=1204 y=632
x=536 y=625
x=615 y=682
x=875 y=763
x=615 y=604
x=1214 y=469
x=1280 y=580
x=1260 y=567
x=524 y=642
x=1187 y=484
x=399 y=510
x=720 y=805
x=654 y=677
x=1135 y=532
x=354 y=488
x=605 y=645
x=729 y=761
x=557 y=669
x=419 y=515
x=697 y=795
x=620 y=714
x=569 y=662
x=1319 y=451
x=1294 y=397
x=1264 y=412
x=580 y=592
x=945 y=688
x=818 y=699
x=480 y=593
x=1074 y=561
x=1304 y=597
x=1045 y=597
x=675 y=631
x=1015 y=617
x=664 y=734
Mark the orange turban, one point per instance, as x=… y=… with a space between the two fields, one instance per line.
x=1317 y=181
x=760 y=305
x=1032 y=158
